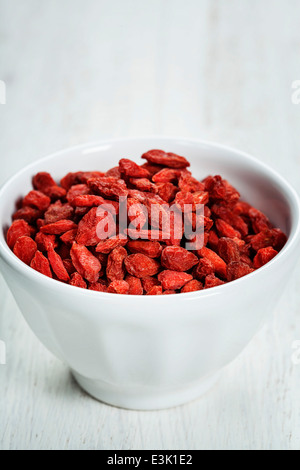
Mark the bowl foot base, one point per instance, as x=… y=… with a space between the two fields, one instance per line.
x=144 y=399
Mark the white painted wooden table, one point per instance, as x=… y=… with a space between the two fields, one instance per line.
x=80 y=70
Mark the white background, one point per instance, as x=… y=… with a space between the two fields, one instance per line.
x=82 y=70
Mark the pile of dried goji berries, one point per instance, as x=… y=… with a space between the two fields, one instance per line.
x=55 y=232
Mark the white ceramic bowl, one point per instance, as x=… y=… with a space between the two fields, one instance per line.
x=161 y=351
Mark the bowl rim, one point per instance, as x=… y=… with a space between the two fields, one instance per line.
x=53 y=284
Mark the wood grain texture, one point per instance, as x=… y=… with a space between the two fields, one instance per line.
x=81 y=70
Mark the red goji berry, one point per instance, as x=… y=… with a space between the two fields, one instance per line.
x=41 y=264
x=212 y=281
x=228 y=250
x=57 y=265
x=87 y=265
x=18 y=229
x=77 y=281
x=45 y=242
x=106 y=246
x=25 y=248
x=143 y=184
x=135 y=285
x=58 y=228
x=192 y=286
x=140 y=265
x=176 y=258
x=218 y=263
x=152 y=249
x=115 y=270
x=107 y=186
x=118 y=287
x=156 y=290
x=37 y=199
x=170 y=160
x=29 y=214
x=263 y=256
x=100 y=286
x=58 y=211
x=237 y=269
x=130 y=169
x=204 y=268
x=149 y=282
x=173 y=280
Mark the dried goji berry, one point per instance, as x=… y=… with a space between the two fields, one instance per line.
x=192 y=286
x=219 y=264
x=69 y=266
x=77 y=281
x=29 y=214
x=100 y=286
x=41 y=264
x=71 y=179
x=212 y=281
x=85 y=263
x=140 y=265
x=231 y=218
x=167 y=191
x=58 y=211
x=18 y=229
x=169 y=292
x=106 y=246
x=237 y=269
x=259 y=221
x=213 y=240
x=137 y=213
x=130 y=169
x=25 y=248
x=173 y=280
x=152 y=168
x=183 y=200
x=156 y=290
x=263 y=256
x=226 y=230
x=269 y=237
x=87 y=175
x=118 y=287
x=167 y=175
x=55 y=192
x=57 y=265
x=58 y=228
x=152 y=249
x=77 y=190
x=114 y=172
x=87 y=200
x=170 y=160
x=220 y=190
x=149 y=282
x=242 y=208
x=188 y=184
x=135 y=285
x=43 y=180
x=228 y=250
x=176 y=258
x=88 y=228
x=115 y=270
x=37 y=199
x=45 y=242
x=143 y=184
x=203 y=269
x=107 y=186
x=69 y=237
